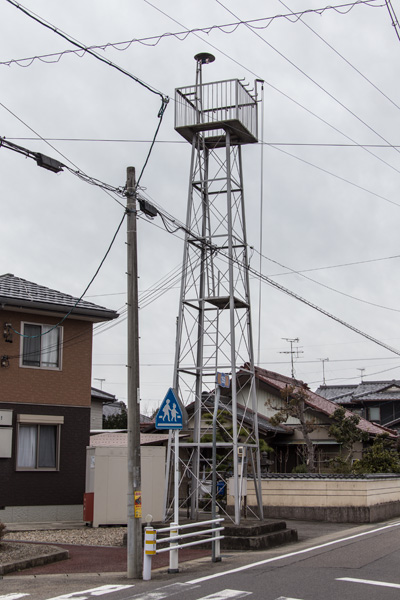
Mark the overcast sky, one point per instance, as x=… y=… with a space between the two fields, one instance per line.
x=331 y=171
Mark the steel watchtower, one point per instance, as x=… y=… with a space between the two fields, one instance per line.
x=214 y=323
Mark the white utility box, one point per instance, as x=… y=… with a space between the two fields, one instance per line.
x=107 y=483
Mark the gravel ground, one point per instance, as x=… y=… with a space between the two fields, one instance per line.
x=10 y=552
x=99 y=536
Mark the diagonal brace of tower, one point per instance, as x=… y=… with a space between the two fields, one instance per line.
x=214 y=323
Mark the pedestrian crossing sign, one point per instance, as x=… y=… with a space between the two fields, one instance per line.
x=171 y=414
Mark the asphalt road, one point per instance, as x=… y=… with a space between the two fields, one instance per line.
x=362 y=563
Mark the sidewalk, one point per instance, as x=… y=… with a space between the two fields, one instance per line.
x=107 y=559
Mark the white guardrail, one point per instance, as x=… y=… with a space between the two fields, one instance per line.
x=151 y=542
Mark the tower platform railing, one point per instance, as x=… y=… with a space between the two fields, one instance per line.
x=211 y=108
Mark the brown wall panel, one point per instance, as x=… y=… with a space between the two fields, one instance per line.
x=35 y=488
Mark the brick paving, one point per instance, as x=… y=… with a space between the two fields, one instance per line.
x=101 y=559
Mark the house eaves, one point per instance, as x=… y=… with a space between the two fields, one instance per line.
x=316 y=402
x=102 y=395
x=365 y=391
x=17 y=294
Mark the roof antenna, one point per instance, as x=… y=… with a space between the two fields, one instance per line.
x=323 y=360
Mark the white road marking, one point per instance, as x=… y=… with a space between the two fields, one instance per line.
x=292 y=554
x=12 y=596
x=164 y=592
x=224 y=594
x=286 y=598
x=370 y=582
x=97 y=591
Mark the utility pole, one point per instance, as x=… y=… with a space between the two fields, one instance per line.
x=134 y=533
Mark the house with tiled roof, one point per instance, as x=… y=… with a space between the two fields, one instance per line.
x=45 y=399
x=378 y=401
x=289 y=451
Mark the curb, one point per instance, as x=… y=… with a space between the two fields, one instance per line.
x=37 y=561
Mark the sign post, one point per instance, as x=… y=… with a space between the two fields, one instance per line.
x=172 y=415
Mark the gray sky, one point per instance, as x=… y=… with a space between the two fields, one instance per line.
x=332 y=88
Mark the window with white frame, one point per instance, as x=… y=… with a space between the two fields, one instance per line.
x=41 y=346
x=374 y=413
x=38 y=442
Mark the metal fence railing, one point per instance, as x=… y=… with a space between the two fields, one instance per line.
x=151 y=542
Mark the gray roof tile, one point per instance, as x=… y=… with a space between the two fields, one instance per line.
x=15 y=291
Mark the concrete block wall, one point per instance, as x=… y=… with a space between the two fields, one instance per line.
x=336 y=500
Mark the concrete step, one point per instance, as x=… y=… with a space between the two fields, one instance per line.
x=261 y=537
x=255 y=535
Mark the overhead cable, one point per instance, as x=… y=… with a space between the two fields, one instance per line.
x=87 y=50
x=360 y=187
x=84 y=292
x=345 y=59
x=320 y=87
x=395 y=21
x=331 y=289
x=136 y=141
x=164 y=97
x=57 y=166
x=227 y=28
x=287 y=291
x=82 y=175
x=279 y=91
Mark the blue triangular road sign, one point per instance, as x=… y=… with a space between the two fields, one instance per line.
x=170 y=414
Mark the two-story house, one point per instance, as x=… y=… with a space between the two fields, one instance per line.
x=45 y=397
x=378 y=401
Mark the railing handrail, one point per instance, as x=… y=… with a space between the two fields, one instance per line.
x=188 y=535
x=189 y=525
x=151 y=541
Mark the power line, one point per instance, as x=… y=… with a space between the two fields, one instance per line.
x=329 y=287
x=81 y=296
x=82 y=175
x=356 y=185
x=179 y=225
x=289 y=270
x=393 y=17
x=134 y=141
x=257 y=76
x=56 y=166
x=86 y=49
x=164 y=97
x=227 y=28
x=350 y=264
x=345 y=59
x=320 y=87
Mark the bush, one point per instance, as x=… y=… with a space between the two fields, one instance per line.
x=381 y=457
x=301 y=469
x=340 y=465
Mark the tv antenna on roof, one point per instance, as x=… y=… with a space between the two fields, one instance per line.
x=361 y=373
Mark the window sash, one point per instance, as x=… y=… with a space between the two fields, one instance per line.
x=38 y=447
x=374 y=413
x=41 y=347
